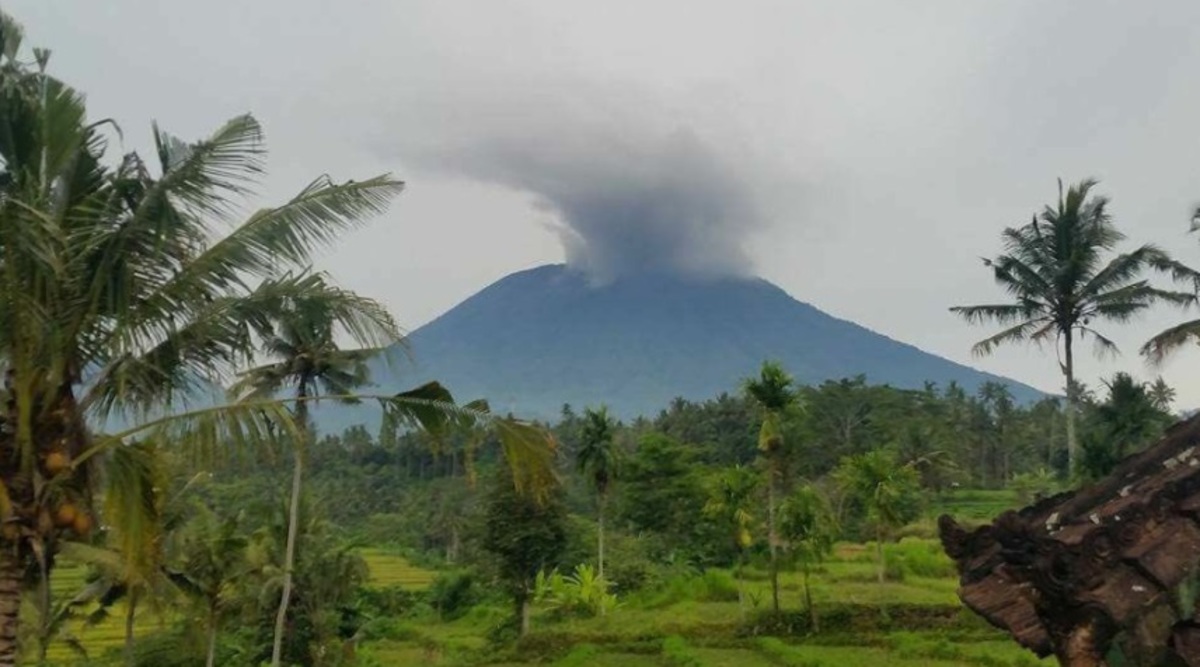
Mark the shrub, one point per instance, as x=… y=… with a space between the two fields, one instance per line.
x=676 y=652
x=580 y=656
x=920 y=558
x=582 y=592
x=785 y=654
x=452 y=594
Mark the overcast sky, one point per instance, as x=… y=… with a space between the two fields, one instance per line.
x=861 y=155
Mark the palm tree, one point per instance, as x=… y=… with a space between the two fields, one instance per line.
x=599 y=459
x=730 y=504
x=308 y=360
x=119 y=296
x=213 y=561
x=1167 y=342
x=1162 y=394
x=128 y=291
x=810 y=528
x=889 y=492
x=772 y=391
x=1055 y=270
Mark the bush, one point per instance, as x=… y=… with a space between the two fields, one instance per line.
x=785 y=654
x=388 y=628
x=580 y=656
x=582 y=592
x=452 y=594
x=676 y=652
x=387 y=601
x=920 y=558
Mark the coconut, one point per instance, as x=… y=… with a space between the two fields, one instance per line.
x=57 y=462
x=82 y=524
x=65 y=516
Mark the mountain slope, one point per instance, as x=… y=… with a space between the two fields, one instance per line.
x=543 y=337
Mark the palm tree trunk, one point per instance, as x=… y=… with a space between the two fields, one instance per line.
x=133 y=600
x=737 y=577
x=1069 y=372
x=10 y=604
x=808 y=602
x=43 y=603
x=289 y=555
x=523 y=611
x=600 y=537
x=211 y=658
x=771 y=539
x=879 y=553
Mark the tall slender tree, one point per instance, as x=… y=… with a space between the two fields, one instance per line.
x=309 y=362
x=772 y=390
x=599 y=458
x=129 y=289
x=1062 y=280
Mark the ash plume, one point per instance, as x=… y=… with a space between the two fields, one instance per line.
x=631 y=192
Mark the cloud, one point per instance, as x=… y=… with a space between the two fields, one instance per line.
x=633 y=186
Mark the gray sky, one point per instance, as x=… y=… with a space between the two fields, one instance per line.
x=862 y=155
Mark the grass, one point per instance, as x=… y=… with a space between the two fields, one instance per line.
x=385 y=569
x=916 y=621
x=913 y=619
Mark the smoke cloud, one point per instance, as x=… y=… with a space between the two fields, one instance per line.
x=632 y=189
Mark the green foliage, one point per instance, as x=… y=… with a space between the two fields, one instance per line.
x=887 y=491
x=525 y=535
x=581 y=655
x=784 y=654
x=675 y=651
x=807 y=524
x=920 y=558
x=582 y=592
x=1034 y=485
x=452 y=594
x=1124 y=423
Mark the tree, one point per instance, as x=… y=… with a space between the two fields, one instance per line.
x=527 y=536
x=731 y=502
x=888 y=492
x=599 y=459
x=122 y=292
x=1162 y=394
x=1055 y=270
x=808 y=526
x=1125 y=422
x=213 y=562
x=773 y=392
x=308 y=360
x=128 y=293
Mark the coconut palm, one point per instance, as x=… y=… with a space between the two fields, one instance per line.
x=1162 y=394
x=130 y=288
x=212 y=562
x=599 y=459
x=773 y=392
x=1167 y=342
x=120 y=295
x=887 y=490
x=308 y=360
x=730 y=504
x=1058 y=271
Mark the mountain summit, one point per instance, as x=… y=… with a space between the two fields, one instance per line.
x=540 y=338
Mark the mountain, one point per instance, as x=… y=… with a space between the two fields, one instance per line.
x=540 y=338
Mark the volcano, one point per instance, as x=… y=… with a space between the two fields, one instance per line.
x=540 y=338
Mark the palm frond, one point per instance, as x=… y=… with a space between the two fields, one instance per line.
x=1001 y=313
x=1021 y=332
x=1158 y=348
